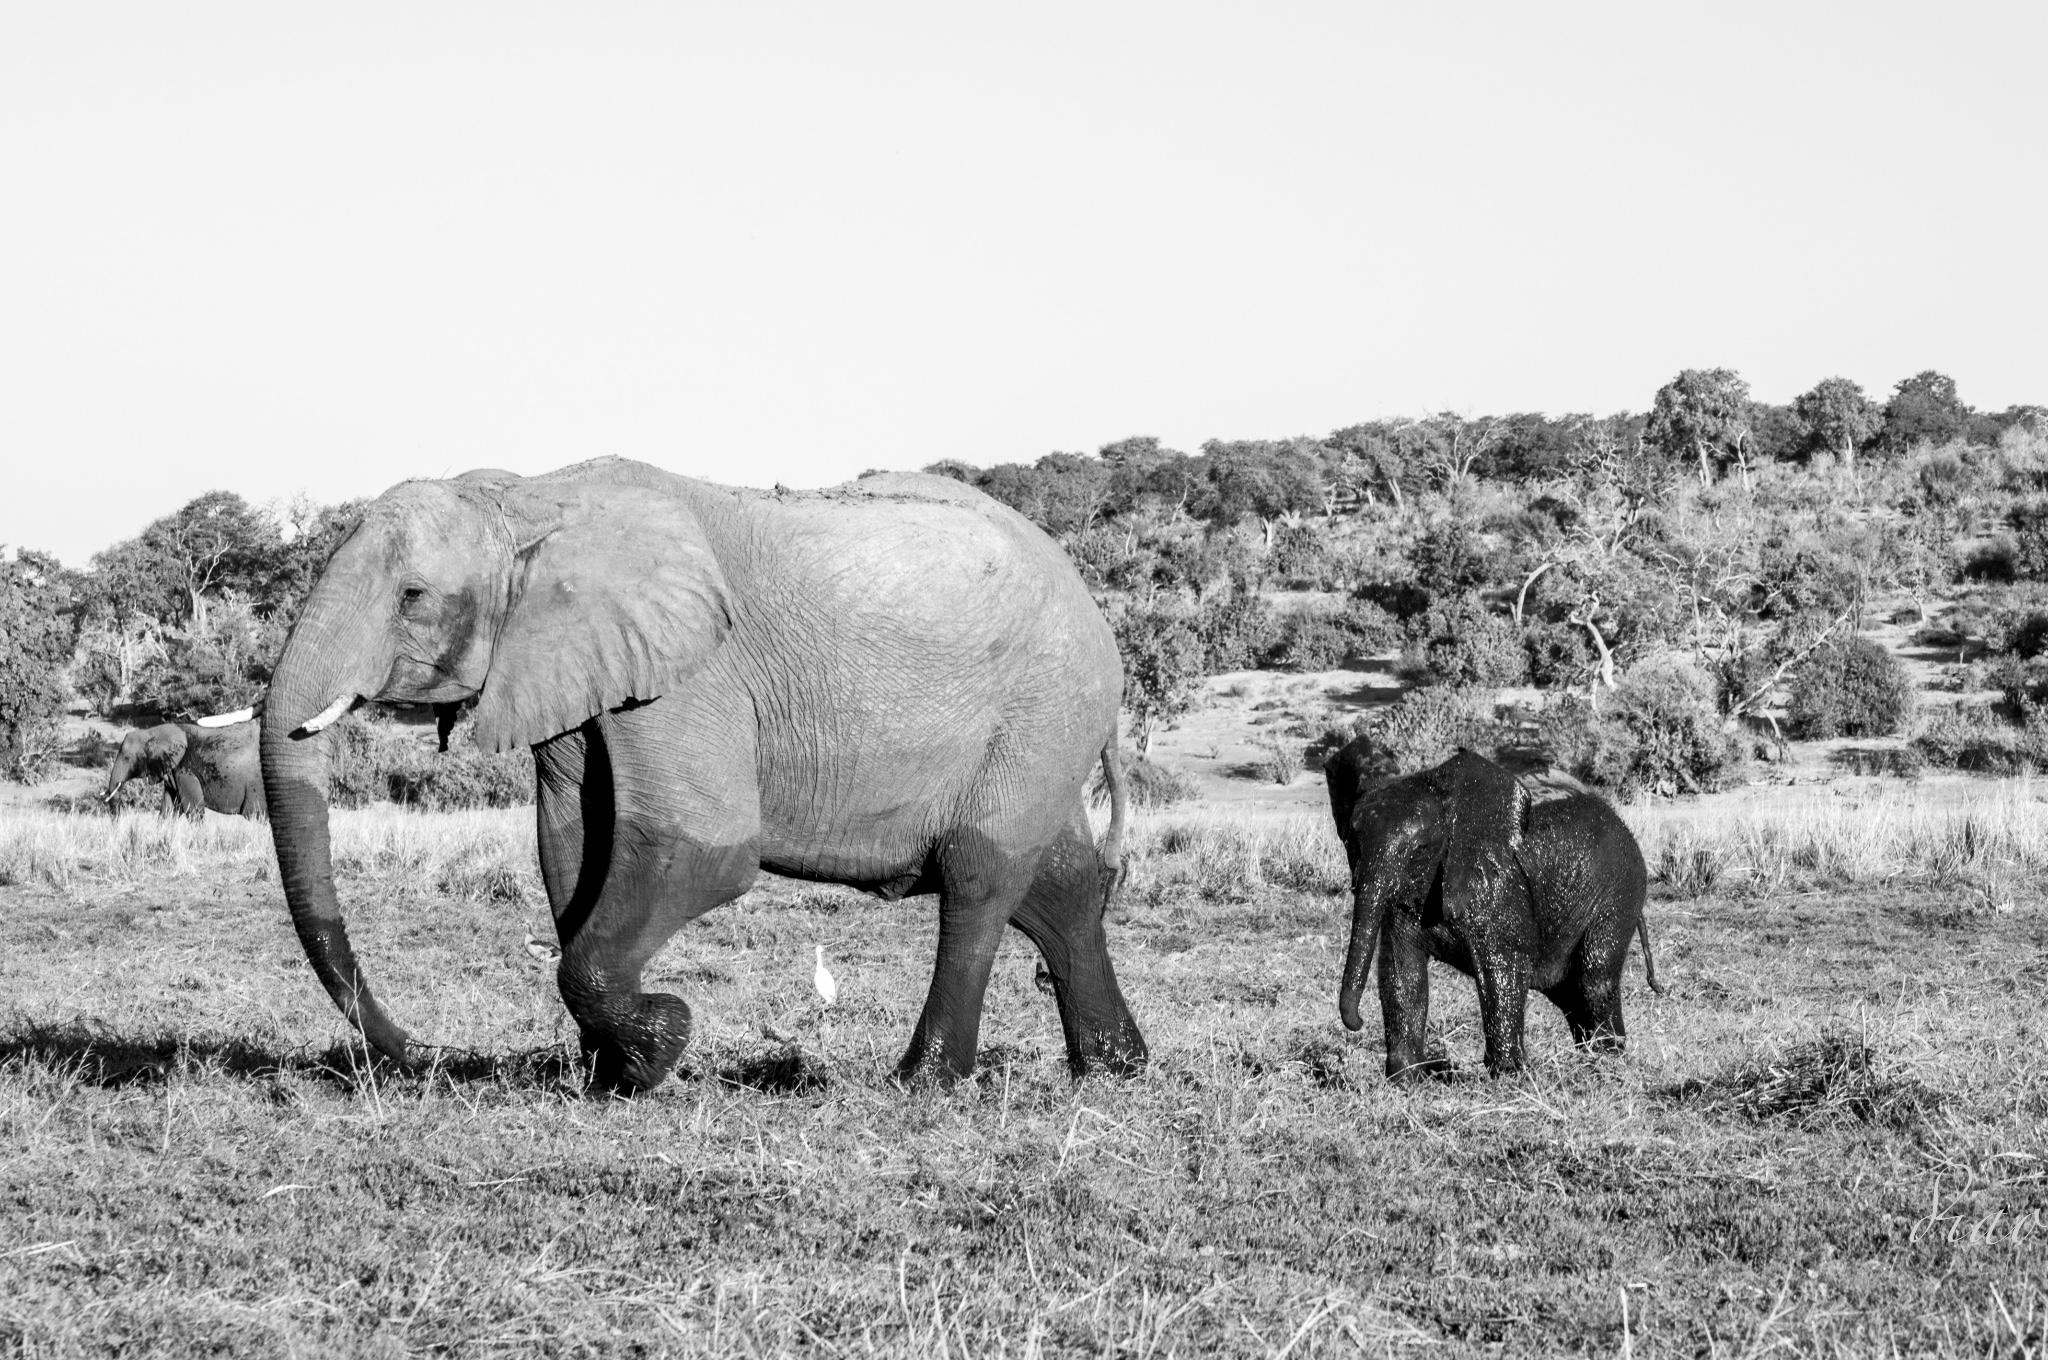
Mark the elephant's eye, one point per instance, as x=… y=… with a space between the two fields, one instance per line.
x=410 y=597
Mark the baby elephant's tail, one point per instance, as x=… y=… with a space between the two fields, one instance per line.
x=1649 y=963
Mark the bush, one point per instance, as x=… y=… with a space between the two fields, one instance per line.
x=1373 y=629
x=1426 y=728
x=1280 y=760
x=1449 y=559
x=1300 y=556
x=35 y=646
x=2022 y=683
x=1461 y=643
x=1558 y=654
x=376 y=761
x=1147 y=784
x=1973 y=739
x=1657 y=732
x=1236 y=630
x=1855 y=688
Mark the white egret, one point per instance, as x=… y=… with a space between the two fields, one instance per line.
x=828 y=988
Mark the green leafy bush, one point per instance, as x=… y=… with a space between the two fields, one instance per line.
x=1657 y=731
x=1237 y=629
x=35 y=646
x=1855 y=688
x=1313 y=640
x=1423 y=729
x=375 y=761
x=1559 y=654
x=1147 y=784
x=1973 y=739
x=1461 y=643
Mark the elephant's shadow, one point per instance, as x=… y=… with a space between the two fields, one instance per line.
x=115 y=1061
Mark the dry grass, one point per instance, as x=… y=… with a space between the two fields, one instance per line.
x=1831 y=1137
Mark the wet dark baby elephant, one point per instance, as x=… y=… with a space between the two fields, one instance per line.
x=897 y=684
x=199 y=767
x=1457 y=863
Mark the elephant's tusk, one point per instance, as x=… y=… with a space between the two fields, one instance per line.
x=327 y=716
x=230 y=719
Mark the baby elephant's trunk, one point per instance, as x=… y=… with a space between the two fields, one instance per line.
x=1365 y=939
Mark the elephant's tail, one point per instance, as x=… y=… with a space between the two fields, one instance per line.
x=1112 y=848
x=1649 y=963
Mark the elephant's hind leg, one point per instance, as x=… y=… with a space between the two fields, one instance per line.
x=1591 y=1002
x=981 y=885
x=1062 y=915
x=622 y=878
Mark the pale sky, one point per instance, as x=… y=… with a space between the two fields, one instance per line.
x=284 y=248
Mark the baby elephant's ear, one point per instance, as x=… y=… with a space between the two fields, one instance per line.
x=615 y=596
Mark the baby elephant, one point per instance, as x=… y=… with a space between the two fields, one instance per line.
x=1457 y=863
x=199 y=767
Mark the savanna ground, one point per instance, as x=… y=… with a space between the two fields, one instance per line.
x=1830 y=1136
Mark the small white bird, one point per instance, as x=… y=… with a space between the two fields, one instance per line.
x=546 y=953
x=828 y=988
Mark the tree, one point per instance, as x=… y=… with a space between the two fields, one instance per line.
x=1373 y=461
x=1924 y=409
x=1839 y=416
x=1704 y=412
x=1162 y=666
x=214 y=543
x=1261 y=478
x=35 y=646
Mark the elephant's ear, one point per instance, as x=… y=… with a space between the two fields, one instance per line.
x=615 y=596
x=165 y=744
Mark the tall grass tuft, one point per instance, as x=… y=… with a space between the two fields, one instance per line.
x=1834 y=841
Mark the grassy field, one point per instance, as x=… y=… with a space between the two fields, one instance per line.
x=1831 y=1136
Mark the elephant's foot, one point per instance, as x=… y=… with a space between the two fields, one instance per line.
x=1118 y=1051
x=1430 y=1069
x=636 y=1052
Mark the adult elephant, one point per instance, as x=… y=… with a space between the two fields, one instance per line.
x=199 y=767
x=897 y=684
x=1458 y=863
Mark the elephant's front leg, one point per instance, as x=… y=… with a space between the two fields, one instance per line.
x=628 y=860
x=1404 y=997
x=1062 y=915
x=1503 y=977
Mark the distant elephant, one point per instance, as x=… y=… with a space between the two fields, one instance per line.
x=1457 y=863
x=897 y=684
x=199 y=767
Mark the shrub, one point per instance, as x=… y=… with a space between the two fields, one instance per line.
x=1972 y=739
x=378 y=761
x=35 y=646
x=1558 y=654
x=1280 y=760
x=2022 y=683
x=1427 y=726
x=1449 y=559
x=1461 y=643
x=1147 y=784
x=1312 y=640
x=1657 y=731
x=1236 y=630
x=2030 y=541
x=1855 y=688
x=1373 y=629
x=1993 y=561
x=1300 y=556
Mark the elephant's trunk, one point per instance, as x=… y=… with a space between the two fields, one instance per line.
x=326 y=660
x=117 y=775
x=1366 y=916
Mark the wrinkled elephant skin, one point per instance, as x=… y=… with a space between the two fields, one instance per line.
x=897 y=684
x=199 y=767
x=1457 y=864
